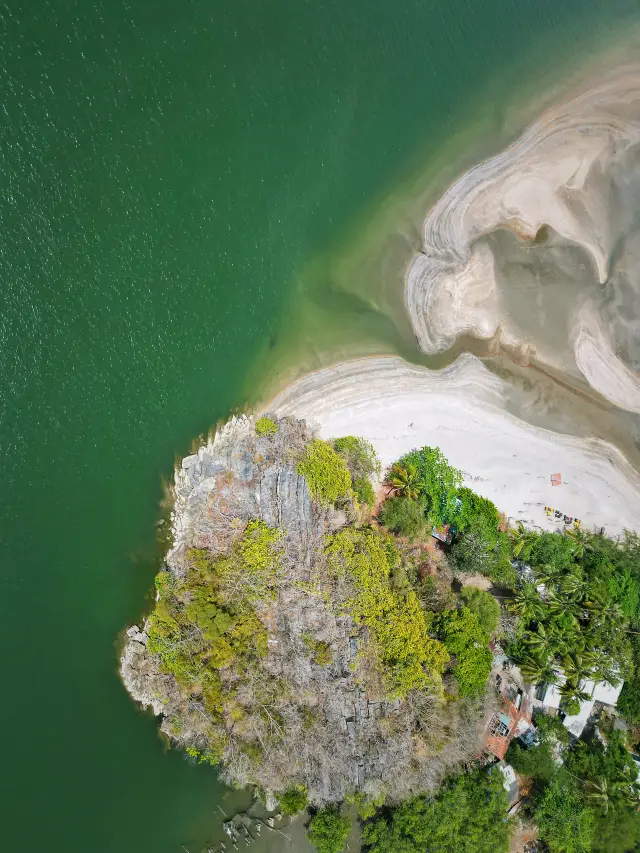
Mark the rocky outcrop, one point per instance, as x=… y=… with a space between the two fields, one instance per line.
x=322 y=720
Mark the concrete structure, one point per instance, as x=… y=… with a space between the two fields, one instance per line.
x=599 y=691
x=510 y=781
x=513 y=719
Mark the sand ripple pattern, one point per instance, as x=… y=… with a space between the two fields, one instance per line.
x=576 y=170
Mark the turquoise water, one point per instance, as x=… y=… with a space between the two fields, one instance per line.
x=170 y=173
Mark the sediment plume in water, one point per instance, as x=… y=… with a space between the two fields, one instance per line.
x=541 y=244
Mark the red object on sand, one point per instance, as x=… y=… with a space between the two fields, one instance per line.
x=556 y=479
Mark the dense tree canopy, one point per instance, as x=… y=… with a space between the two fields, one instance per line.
x=467 y=815
x=409 y=657
x=465 y=638
x=435 y=481
x=403 y=516
x=483 y=605
x=328 y=830
x=325 y=471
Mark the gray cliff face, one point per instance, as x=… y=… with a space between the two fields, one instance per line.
x=327 y=725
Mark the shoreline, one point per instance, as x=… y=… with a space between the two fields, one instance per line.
x=461 y=409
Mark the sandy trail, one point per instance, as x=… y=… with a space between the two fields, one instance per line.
x=460 y=409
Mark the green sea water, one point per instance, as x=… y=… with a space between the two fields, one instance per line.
x=179 y=183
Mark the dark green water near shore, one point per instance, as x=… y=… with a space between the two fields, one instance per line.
x=169 y=174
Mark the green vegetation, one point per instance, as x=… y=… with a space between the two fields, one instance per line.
x=320 y=651
x=483 y=605
x=629 y=701
x=426 y=492
x=325 y=471
x=426 y=474
x=266 y=426
x=362 y=462
x=328 y=830
x=538 y=762
x=578 y=624
x=205 y=623
x=359 y=455
x=364 y=491
x=589 y=802
x=467 y=815
x=404 y=516
x=464 y=637
x=578 y=612
x=295 y=799
x=409 y=658
x=564 y=823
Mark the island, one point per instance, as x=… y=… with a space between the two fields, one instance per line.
x=382 y=643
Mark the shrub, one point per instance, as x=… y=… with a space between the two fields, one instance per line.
x=570 y=706
x=325 y=471
x=483 y=605
x=463 y=636
x=537 y=761
x=403 y=516
x=396 y=622
x=564 y=824
x=323 y=655
x=437 y=483
x=359 y=455
x=205 y=622
x=328 y=830
x=295 y=799
x=467 y=815
x=364 y=491
x=552 y=549
x=266 y=426
x=629 y=701
x=477 y=514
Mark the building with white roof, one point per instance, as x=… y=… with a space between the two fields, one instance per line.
x=599 y=691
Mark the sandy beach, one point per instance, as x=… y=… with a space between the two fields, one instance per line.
x=460 y=409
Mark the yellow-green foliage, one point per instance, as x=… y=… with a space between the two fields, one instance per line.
x=409 y=657
x=266 y=426
x=205 y=623
x=294 y=800
x=255 y=561
x=320 y=651
x=325 y=471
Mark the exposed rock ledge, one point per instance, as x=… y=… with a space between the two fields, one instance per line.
x=340 y=731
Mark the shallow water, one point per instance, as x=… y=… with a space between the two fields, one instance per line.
x=189 y=195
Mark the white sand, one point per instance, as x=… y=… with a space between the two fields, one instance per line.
x=559 y=173
x=460 y=409
x=602 y=369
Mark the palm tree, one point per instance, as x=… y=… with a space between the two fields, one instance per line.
x=522 y=541
x=538 y=641
x=578 y=666
x=605 y=792
x=572 y=691
x=404 y=480
x=629 y=785
x=527 y=603
x=580 y=541
x=536 y=668
x=602 y=793
x=571 y=587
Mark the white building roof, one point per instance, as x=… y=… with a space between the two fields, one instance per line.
x=600 y=691
x=576 y=722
